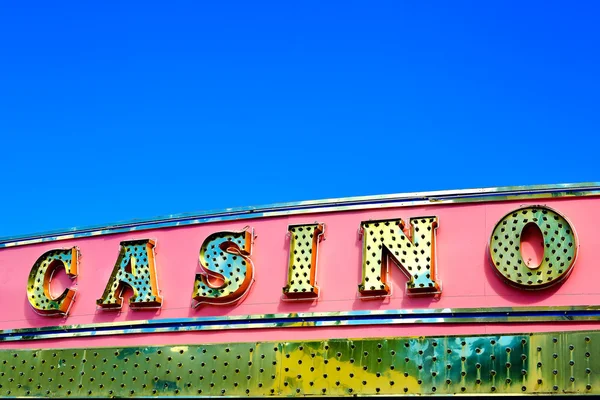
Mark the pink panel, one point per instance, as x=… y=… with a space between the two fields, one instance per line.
x=463 y=263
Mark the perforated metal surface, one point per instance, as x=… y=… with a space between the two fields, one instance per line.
x=135 y=269
x=302 y=265
x=415 y=255
x=560 y=248
x=227 y=270
x=558 y=363
x=38 y=284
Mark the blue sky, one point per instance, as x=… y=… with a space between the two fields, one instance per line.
x=111 y=111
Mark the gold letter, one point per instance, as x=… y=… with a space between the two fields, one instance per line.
x=302 y=265
x=38 y=284
x=560 y=248
x=415 y=256
x=224 y=260
x=135 y=269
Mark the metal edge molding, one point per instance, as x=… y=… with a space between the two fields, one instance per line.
x=521 y=363
x=320 y=319
x=318 y=206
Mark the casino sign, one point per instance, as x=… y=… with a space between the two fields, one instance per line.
x=488 y=291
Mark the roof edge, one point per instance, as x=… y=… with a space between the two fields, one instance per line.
x=314 y=206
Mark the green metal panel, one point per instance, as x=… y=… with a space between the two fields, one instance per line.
x=537 y=363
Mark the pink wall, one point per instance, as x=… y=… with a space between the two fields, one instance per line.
x=463 y=266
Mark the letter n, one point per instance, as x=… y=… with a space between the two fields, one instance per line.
x=414 y=254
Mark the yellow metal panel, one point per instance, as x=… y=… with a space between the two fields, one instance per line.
x=539 y=363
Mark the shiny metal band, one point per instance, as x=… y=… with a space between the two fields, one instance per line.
x=320 y=319
x=319 y=206
x=538 y=363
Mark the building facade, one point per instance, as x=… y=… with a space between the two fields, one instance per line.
x=488 y=291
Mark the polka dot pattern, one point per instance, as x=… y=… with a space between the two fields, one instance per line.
x=228 y=269
x=415 y=255
x=134 y=269
x=38 y=285
x=560 y=248
x=302 y=266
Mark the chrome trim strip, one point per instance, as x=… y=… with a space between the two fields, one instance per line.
x=316 y=206
x=318 y=319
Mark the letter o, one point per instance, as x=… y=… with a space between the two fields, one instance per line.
x=560 y=248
